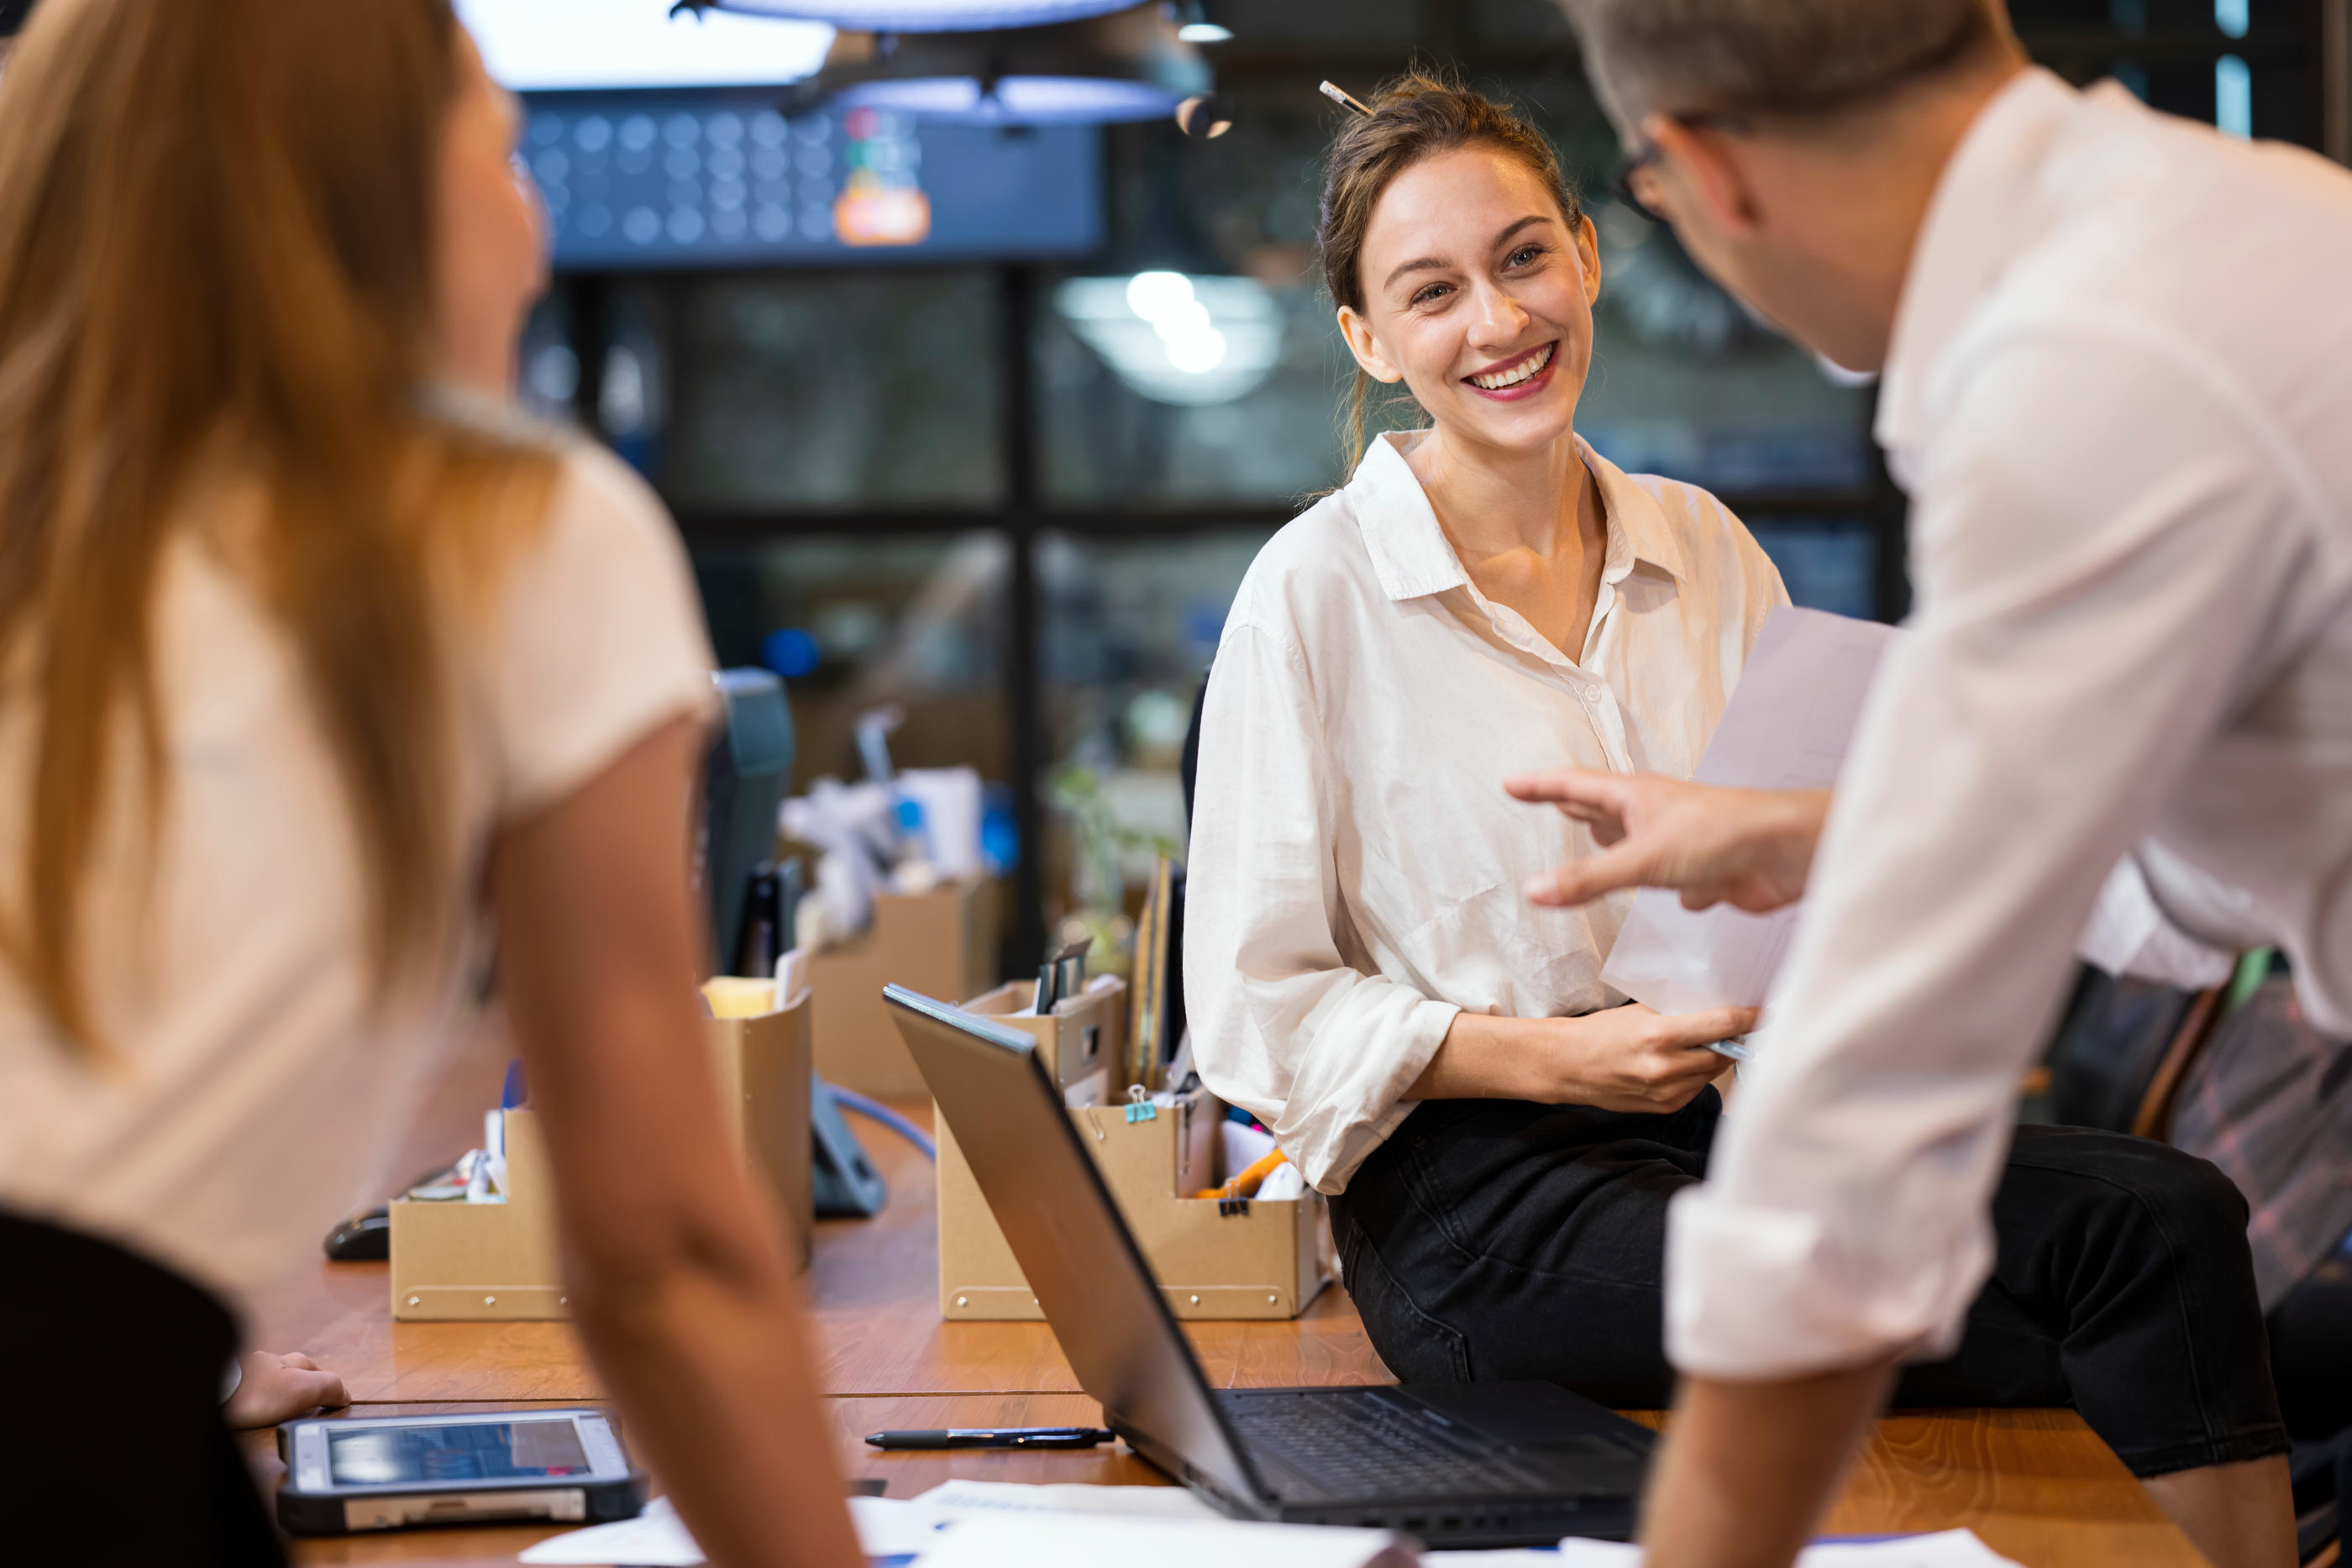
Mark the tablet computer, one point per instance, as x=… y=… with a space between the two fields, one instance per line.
x=387 y=1472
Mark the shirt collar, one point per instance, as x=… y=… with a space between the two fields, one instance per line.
x=1982 y=217
x=1413 y=557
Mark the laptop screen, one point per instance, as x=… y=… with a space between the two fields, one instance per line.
x=1084 y=1266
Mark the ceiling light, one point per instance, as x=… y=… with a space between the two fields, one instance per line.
x=920 y=16
x=1195 y=25
x=1206 y=117
x=1125 y=66
x=1011 y=101
x=1176 y=339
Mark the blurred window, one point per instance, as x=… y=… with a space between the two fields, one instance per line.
x=1129 y=630
x=836 y=390
x=857 y=622
x=1830 y=566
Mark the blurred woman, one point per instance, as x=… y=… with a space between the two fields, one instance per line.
x=315 y=659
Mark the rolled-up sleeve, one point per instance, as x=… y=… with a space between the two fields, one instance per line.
x=1282 y=1025
x=2096 y=593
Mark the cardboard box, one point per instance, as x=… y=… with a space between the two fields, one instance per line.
x=1213 y=1260
x=497 y=1260
x=1085 y=1037
x=942 y=943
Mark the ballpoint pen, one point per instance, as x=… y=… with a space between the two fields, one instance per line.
x=995 y=1437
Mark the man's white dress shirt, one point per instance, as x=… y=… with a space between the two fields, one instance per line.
x=2120 y=395
x=1356 y=870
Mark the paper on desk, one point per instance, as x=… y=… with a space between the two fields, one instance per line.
x=1945 y=1549
x=1786 y=727
x=1026 y=1540
x=964 y=1500
x=656 y=1539
x=653 y=1538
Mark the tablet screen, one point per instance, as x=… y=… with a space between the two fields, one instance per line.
x=407 y=1455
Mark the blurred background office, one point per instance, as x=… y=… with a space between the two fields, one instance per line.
x=976 y=381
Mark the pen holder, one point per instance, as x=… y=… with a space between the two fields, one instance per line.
x=1084 y=1038
x=1212 y=1259
x=497 y=1260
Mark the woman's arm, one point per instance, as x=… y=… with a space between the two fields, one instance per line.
x=1626 y=1059
x=676 y=1263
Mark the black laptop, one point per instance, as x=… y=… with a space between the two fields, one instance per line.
x=1455 y=1464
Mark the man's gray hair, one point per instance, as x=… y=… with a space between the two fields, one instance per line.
x=1798 y=58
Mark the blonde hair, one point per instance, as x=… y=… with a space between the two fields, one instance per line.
x=216 y=240
x=1413 y=118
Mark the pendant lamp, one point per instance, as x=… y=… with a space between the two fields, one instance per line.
x=920 y=16
x=1074 y=61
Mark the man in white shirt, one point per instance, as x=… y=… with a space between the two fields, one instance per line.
x=2117 y=361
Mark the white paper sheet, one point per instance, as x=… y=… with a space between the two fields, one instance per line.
x=1947 y=1549
x=1027 y=1539
x=655 y=1538
x=886 y=1527
x=1786 y=727
x=962 y=1498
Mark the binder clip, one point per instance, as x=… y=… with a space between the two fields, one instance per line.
x=1139 y=1107
x=1233 y=1207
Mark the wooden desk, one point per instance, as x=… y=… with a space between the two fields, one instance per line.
x=2036 y=1484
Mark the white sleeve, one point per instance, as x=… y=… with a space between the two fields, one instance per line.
x=2100 y=545
x=599 y=639
x=2129 y=935
x=1282 y=1025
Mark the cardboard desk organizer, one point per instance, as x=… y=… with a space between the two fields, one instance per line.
x=1213 y=1260
x=497 y=1261
x=942 y=943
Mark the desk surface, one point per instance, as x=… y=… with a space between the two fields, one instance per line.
x=2036 y=1484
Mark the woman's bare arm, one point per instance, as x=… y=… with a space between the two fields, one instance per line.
x=676 y=1264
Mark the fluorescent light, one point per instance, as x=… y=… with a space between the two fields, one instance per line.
x=539 y=46
x=2232 y=16
x=1015 y=100
x=1204 y=32
x=1191 y=341
x=931 y=16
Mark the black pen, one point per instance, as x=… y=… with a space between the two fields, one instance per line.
x=995 y=1437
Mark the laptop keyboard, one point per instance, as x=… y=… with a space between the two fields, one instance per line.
x=1356 y=1445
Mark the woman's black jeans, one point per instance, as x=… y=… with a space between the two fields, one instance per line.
x=1501 y=1240
x=114 y=1453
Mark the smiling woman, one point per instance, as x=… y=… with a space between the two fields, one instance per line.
x=1485 y=589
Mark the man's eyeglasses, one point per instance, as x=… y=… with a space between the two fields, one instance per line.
x=1646 y=152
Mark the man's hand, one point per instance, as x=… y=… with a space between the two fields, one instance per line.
x=1748 y=847
x=277 y=1389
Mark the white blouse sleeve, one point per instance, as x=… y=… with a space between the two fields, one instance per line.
x=599 y=639
x=1282 y=1025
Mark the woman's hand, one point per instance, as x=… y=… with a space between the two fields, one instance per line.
x=1627 y=1059
x=274 y=1388
x=1631 y=1059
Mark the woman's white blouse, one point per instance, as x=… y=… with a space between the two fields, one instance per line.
x=262 y=1089
x=1356 y=870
